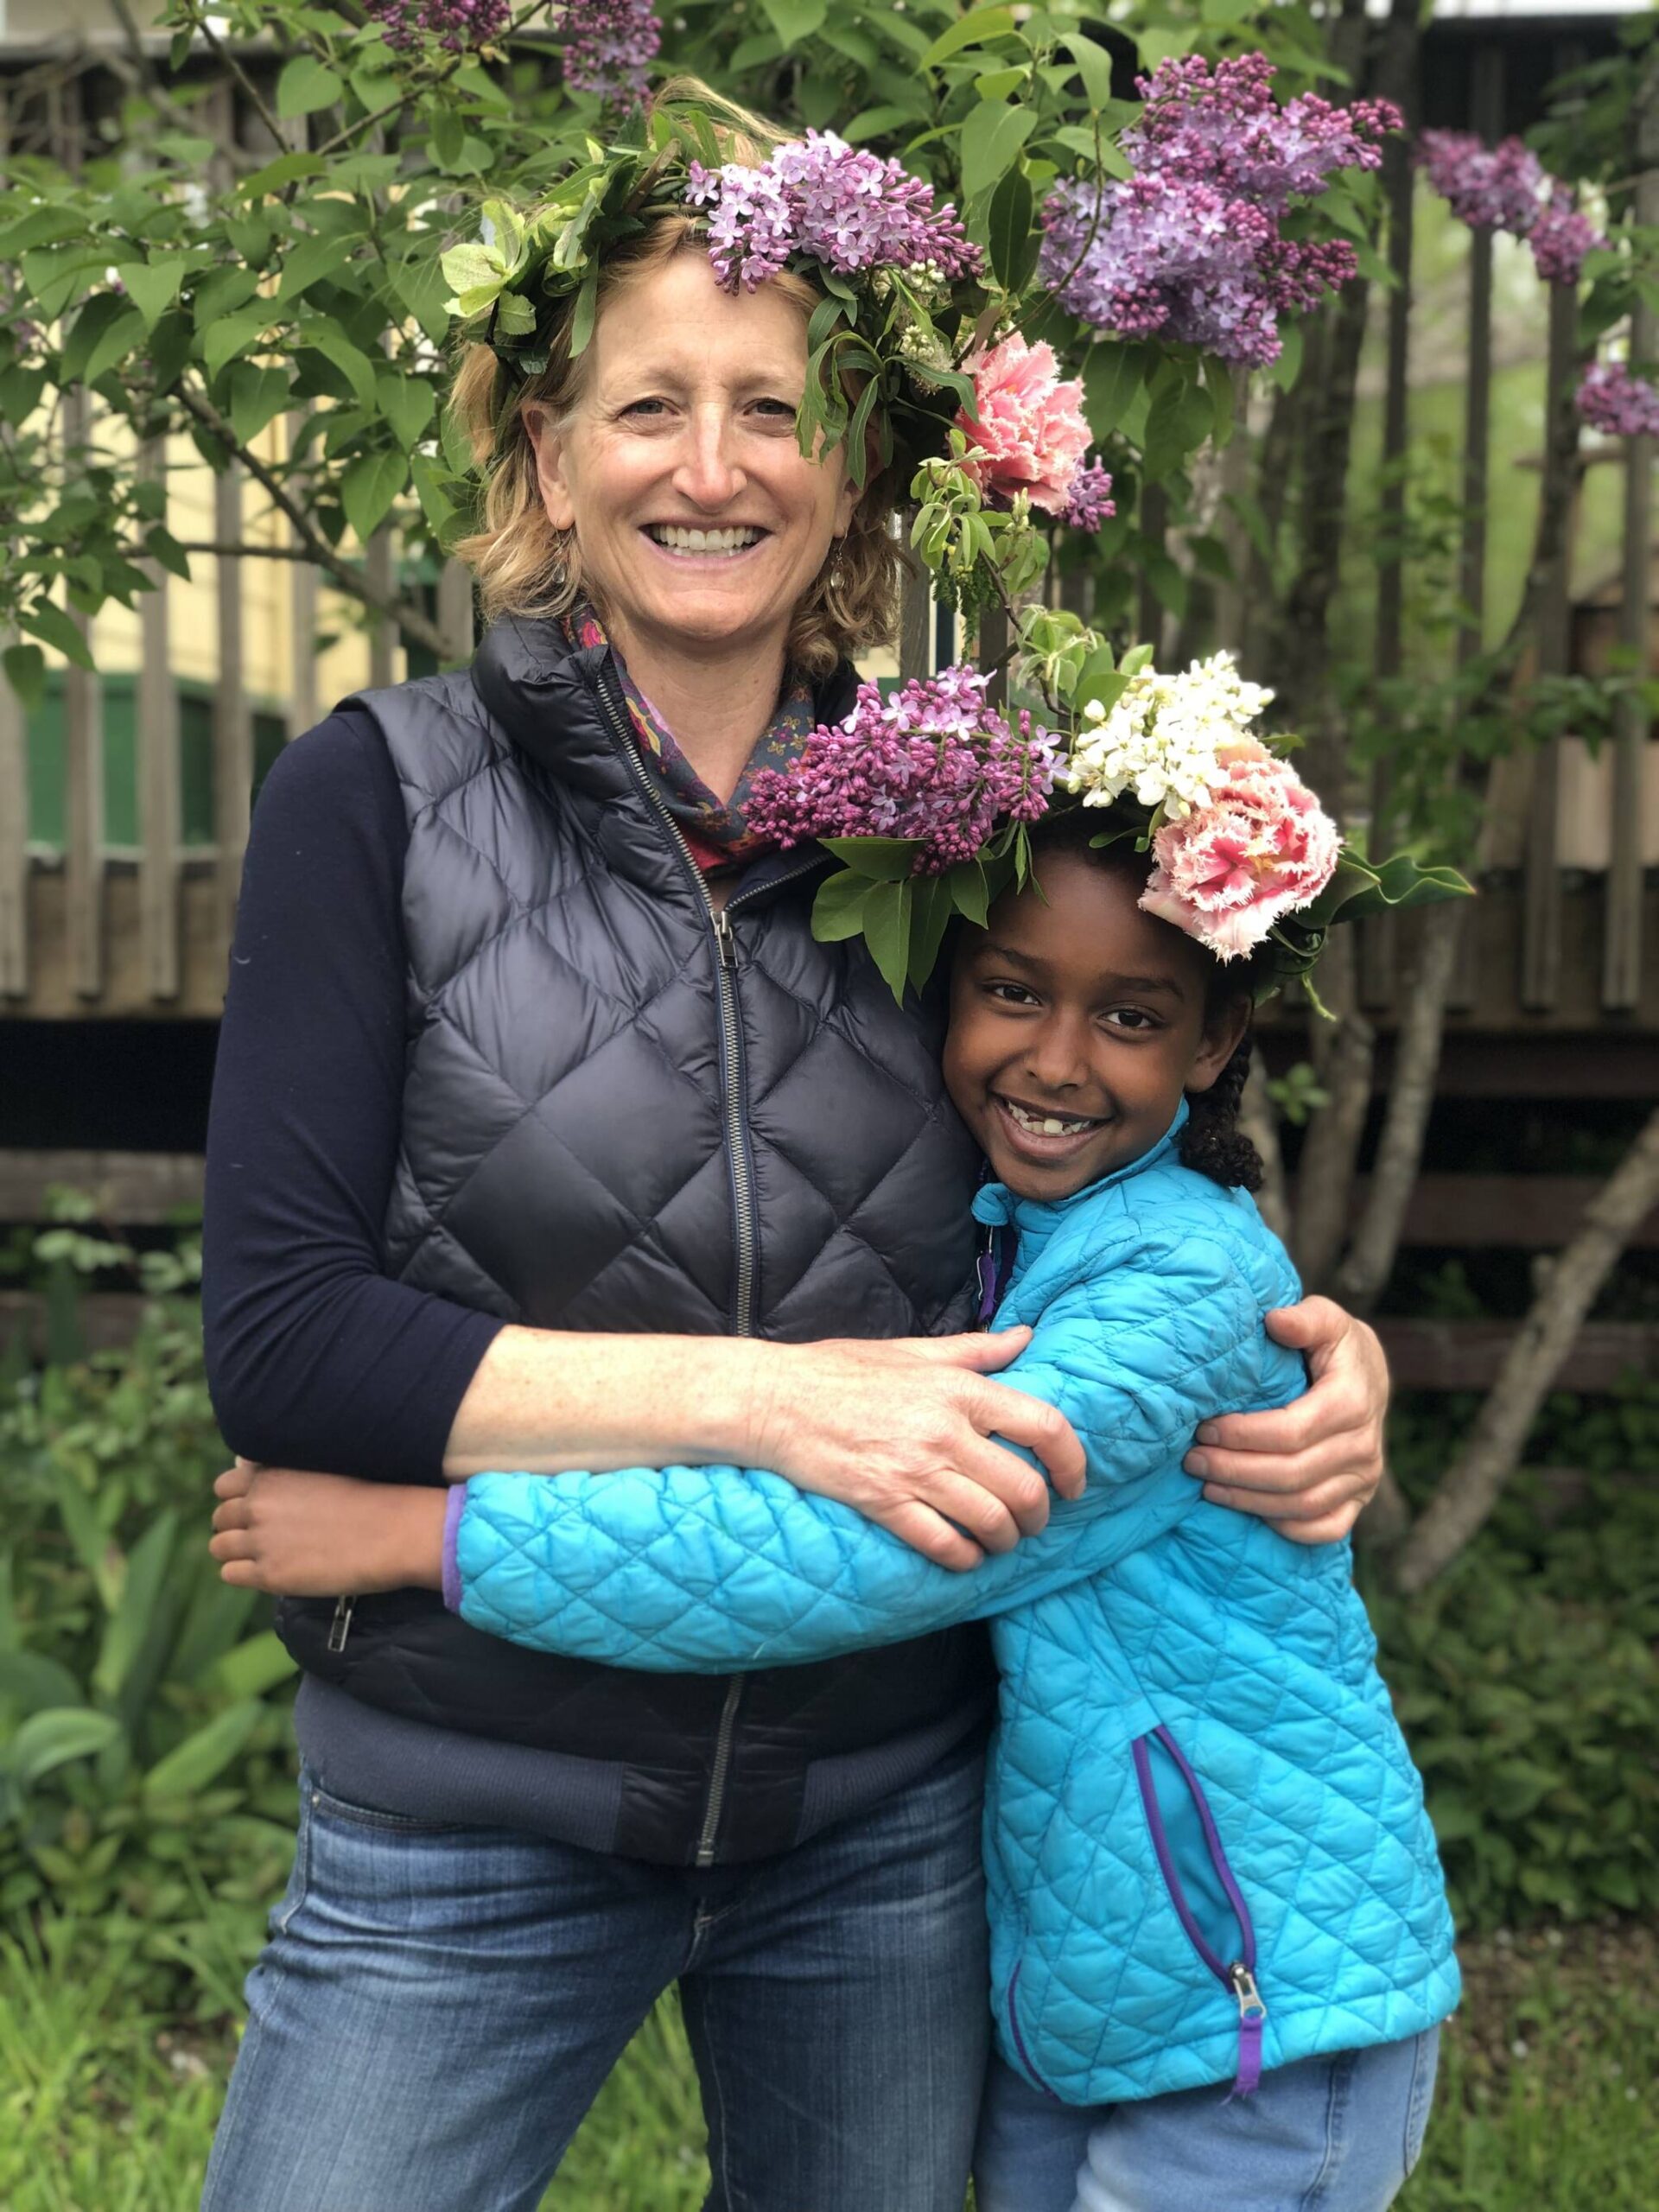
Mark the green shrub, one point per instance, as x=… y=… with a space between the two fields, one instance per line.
x=146 y=1791
x=1528 y=1679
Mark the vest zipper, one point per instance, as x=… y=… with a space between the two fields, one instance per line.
x=742 y=1175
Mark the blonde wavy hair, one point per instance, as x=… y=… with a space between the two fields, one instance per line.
x=526 y=567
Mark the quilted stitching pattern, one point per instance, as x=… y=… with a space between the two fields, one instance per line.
x=1139 y=1605
x=565 y=1156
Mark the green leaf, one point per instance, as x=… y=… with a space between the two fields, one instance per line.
x=222 y=341
x=1112 y=375
x=53 y=628
x=141 y=1591
x=887 y=932
x=202 y=1757
x=20 y=394
x=305 y=85
x=838 y=910
x=368 y=488
x=1178 y=420
x=408 y=403
x=254 y=1667
x=931 y=908
x=1014 y=247
x=991 y=139
x=220 y=292
x=152 y=286
x=970 y=892
x=886 y=860
x=33 y=1682
x=795 y=20
x=1288 y=366
x=26 y=673
x=287 y=169
x=978 y=28
x=586 y=308
x=257 y=394
x=102 y=313
x=432 y=488
x=327 y=338
x=55 y=1737
x=1094 y=67
x=311 y=260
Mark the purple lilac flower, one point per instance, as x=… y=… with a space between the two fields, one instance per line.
x=837 y=204
x=1189 y=249
x=455 y=24
x=1489 y=187
x=1561 y=239
x=1624 y=406
x=1089 y=502
x=608 y=46
x=930 y=762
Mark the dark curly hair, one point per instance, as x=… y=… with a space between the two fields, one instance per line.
x=1212 y=1142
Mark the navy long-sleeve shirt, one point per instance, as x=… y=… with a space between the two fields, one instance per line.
x=316 y=1356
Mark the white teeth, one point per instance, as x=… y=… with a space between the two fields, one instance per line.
x=680 y=540
x=1047 y=1125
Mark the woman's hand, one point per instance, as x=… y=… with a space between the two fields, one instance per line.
x=304 y=1535
x=1312 y=1467
x=901 y=1430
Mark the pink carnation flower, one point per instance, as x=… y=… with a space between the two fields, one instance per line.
x=1031 y=427
x=1260 y=849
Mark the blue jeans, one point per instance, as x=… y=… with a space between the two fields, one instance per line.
x=1328 y=2134
x=437 y=2008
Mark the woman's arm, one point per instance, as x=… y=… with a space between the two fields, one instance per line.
x=318 y=1359
x=711 y=1568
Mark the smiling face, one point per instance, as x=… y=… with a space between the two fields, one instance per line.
x=1077 y=1022
x=700 y=524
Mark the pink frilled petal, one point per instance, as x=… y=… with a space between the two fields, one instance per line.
x=1031 y=425
x=1261 y=849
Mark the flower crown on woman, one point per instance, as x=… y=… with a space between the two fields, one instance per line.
x=916 y=361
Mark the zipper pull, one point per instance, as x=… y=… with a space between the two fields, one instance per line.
x=340 y=1627
x=1251 y=2014
x=723 y=938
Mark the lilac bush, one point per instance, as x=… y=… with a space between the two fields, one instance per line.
x=1190 y=249
x=847 y=208
x=608 y=46
x=931 y=761
x=1611 y=399
x=455 y=24
x=1506 y=187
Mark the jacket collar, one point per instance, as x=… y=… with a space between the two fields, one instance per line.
x=1037 y=1218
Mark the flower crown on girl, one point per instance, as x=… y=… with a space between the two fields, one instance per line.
x=915 y=354
x=926 y=795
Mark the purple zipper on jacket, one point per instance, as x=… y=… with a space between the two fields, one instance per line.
x=1025 y=2059
x=1237 y=1975
x=993 y=1266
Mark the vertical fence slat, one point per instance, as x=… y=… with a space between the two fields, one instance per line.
x=1486 y=119
x=383 y=635
x=456 y=617
x=1149 y=612
x=915 y=623
x=158 y=774
x=83 y=782
x=232 y=722
x=13 y=845
x=1621 y=974
x=1379 y=938
x=1541 y=912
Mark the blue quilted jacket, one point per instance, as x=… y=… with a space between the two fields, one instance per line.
x=1205 y=1841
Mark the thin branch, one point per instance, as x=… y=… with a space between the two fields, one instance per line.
x=255 y=96
x=441 y=76
x=141 y=72
x=414 y=624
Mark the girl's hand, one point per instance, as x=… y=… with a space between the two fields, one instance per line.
x=304 y=1535
x=1312 y=1467
x=902 y=1431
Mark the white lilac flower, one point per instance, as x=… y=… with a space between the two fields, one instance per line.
x=1165 y=738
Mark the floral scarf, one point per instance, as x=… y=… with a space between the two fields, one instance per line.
x=714 y=829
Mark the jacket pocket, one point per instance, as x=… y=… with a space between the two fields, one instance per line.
x=1233 y=1967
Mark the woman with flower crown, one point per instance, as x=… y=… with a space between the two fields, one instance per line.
x=597 y=1154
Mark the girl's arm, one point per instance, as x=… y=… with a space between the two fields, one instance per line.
x=707 y=1570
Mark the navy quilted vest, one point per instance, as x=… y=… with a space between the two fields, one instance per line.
x=623 y=1112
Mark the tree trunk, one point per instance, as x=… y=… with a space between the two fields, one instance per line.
x=1358 y=1282
x=1475 y=1480
x=1343 y=1051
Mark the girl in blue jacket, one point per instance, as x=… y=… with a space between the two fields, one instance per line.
x=1220 y=1942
